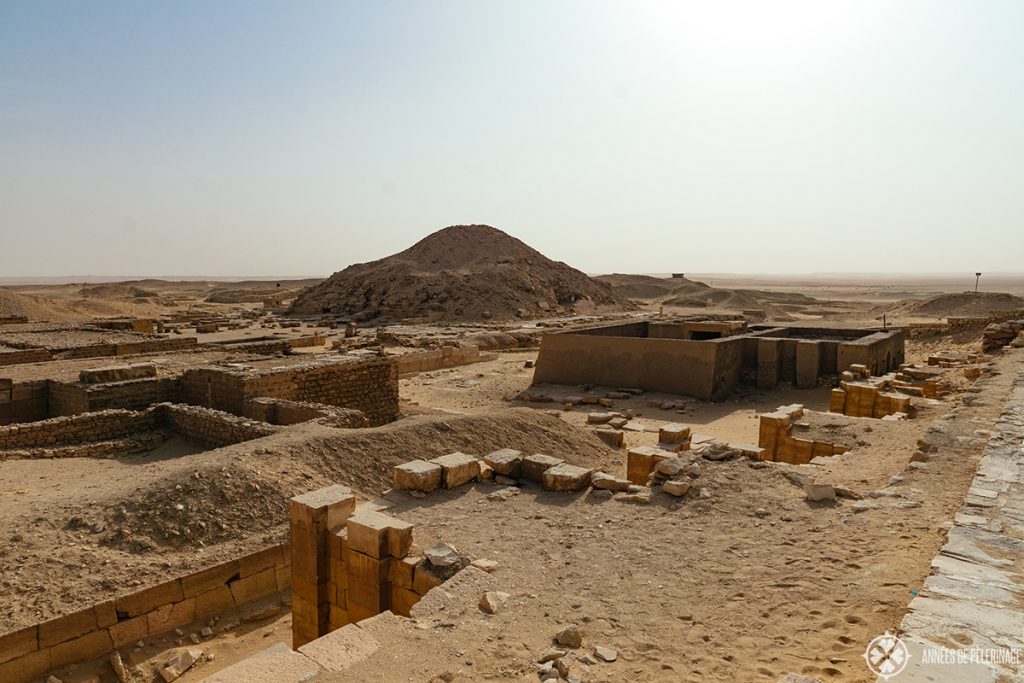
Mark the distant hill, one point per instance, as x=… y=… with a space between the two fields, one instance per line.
x=965 y=304
x=686 y=293
x=463 y=272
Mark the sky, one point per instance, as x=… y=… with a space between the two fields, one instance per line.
x=297 y=137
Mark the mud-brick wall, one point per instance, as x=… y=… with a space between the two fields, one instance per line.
x=676 y=366
x=881 y=352
x=369 y=386
x=213 y=388
x=94 y=632
x=23 y=401
x=108 y=424
x=16 y=357
x=445 y=357
x=210 y=428
x=136 y=394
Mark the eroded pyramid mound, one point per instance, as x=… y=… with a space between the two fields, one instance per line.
x=464 y=272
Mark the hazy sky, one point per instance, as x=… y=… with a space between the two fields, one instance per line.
x=287 y=138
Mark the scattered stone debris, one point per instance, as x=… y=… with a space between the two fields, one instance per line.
x=179 y=664
x=819 y=492
x=570 y=636
x=492 y=601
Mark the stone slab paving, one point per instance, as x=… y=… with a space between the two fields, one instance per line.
x=973 y=599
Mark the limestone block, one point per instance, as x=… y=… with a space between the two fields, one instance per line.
x=676 y=487
x=324 y=508
x=457 y=469
x=18 y=643
x=417 y=475
x=341 y=649
x=277 y=663
x=566 y=477
x=640 y=463
x=601 y=480
x=67 y=627
x=506 y=462
x=535 y=465
x=674 y=432
x=612 y=437
x=378 y=535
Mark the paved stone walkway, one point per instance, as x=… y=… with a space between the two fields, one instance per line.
x=971 y=602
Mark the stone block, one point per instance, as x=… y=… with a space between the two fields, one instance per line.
x=457 y=469
x=401 y=571
x=324 y=508
x=506 y=462
x=602 y=480
x=378 y=535
x=209 y=579
x=277 y=663
x=403 y=599
x=106 y=615
x=424 y=580
x=177 y=614
x=81 y=649
x=372 y=596
x=252 y=587
x=676 y=487
x=640 y=463
x=416 y=475
x=674 y=432
x=26 y=667
x=67 y=627
x=130 y=631
x=535 y=465
x=341 y=649
x=214 y=601
x=366 y=569
x=18 y=643
x=149 y=599
x=258 y=561
x=612 y=437
x=566 y=477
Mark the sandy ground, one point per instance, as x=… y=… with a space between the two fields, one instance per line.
x=749 y=583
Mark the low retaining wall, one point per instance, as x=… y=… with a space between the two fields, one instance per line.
x=107 y=424
x=98 y=433
x=18 y=356
x=96 y=631
x=445 y=357
x=278 y=411
x=210 y=428
x=24 y=401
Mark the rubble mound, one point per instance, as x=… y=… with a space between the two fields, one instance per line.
x=965 y=304
x=115 y=291
x=217 y=497
x=463 y=272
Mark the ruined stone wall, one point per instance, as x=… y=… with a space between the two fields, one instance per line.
x=214 y=388
x=210 y=428
x=23 y=401
x=133 y=394
x=881 y=352
x=107 y=424
x=278 y=411
x=18 y=356
x=66 y=399
x=436 y=359
x=95 y=631
x=671 y=365
x=369 y=386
